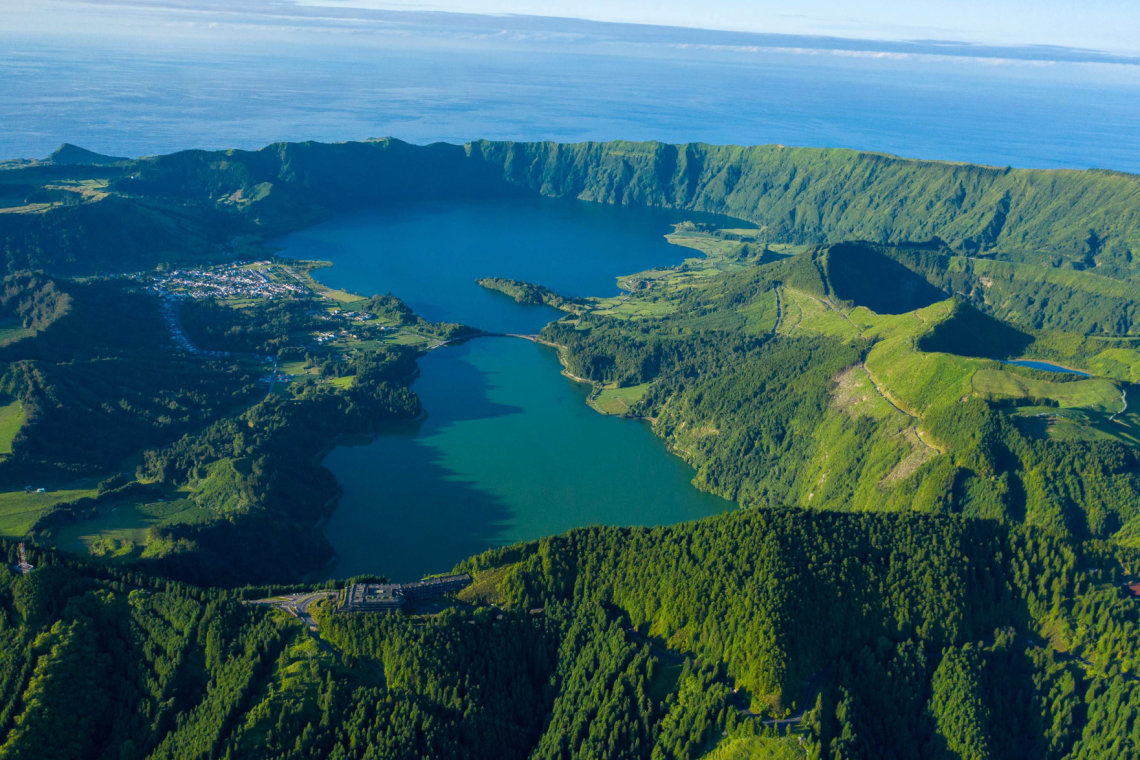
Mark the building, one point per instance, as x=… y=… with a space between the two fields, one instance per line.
x=389 y=597
x=372 y=597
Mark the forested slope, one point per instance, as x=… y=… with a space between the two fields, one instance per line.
x=881 y=635
x=807 y=195
x=838 y=378
x=116 y=414
x=926 y=631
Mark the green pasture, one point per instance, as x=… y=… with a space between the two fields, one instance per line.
x=11 y=420
x=19 y=510
x=12 y=330
x=613 y=400
x=1095 y=393
x=121 y=528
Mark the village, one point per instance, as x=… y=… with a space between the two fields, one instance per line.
x=242 y=281
x=237 y=280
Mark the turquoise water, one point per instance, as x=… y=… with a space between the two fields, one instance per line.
x=509 y=450
x=1047 y=366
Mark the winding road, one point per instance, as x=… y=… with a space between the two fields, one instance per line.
x=298 y=606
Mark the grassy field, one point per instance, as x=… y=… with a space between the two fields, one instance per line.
x=293 y=368
x=303 y=272
x=914 y=380
x=855 y=393
x=19 y=510
x=808 y=314
x=12 y=330
x=1095 y=394
x=11 y=419
x=760 y=315
x=624 y=307
x=121 y=529
x=1120 y=363
x=484 y=588
x=712 y=246
x=612 y=400
x=28 y=208
x=758 y=748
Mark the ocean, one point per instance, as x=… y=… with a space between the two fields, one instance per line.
x=423 y=82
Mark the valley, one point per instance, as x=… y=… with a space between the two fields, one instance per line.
x=835 y=438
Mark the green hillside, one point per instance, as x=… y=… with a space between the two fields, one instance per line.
x=824 y=402
x=788 y=366
x=812 y=634
x=809 y=195
x=185 y=202
x=934 y=544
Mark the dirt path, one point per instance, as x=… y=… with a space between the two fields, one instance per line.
x=886 y=397
x=1124 y=398
x=918 y=420
x=779 y=312
x=814 y=684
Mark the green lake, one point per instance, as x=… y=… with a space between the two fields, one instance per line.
x=509 y=450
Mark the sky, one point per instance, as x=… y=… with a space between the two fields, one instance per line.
x=1110 y=25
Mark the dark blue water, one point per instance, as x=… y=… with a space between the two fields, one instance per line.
x=1046 y=366
x=430 y=254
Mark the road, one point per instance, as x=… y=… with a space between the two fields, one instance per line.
x=298 y=606
x=815 y=683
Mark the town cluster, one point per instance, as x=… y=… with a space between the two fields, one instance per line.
x=230 y=281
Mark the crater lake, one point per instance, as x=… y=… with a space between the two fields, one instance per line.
x=508 y=450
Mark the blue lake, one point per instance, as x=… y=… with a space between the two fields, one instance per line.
x=430 y=254
x=1046 y=366
x=509 y=450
